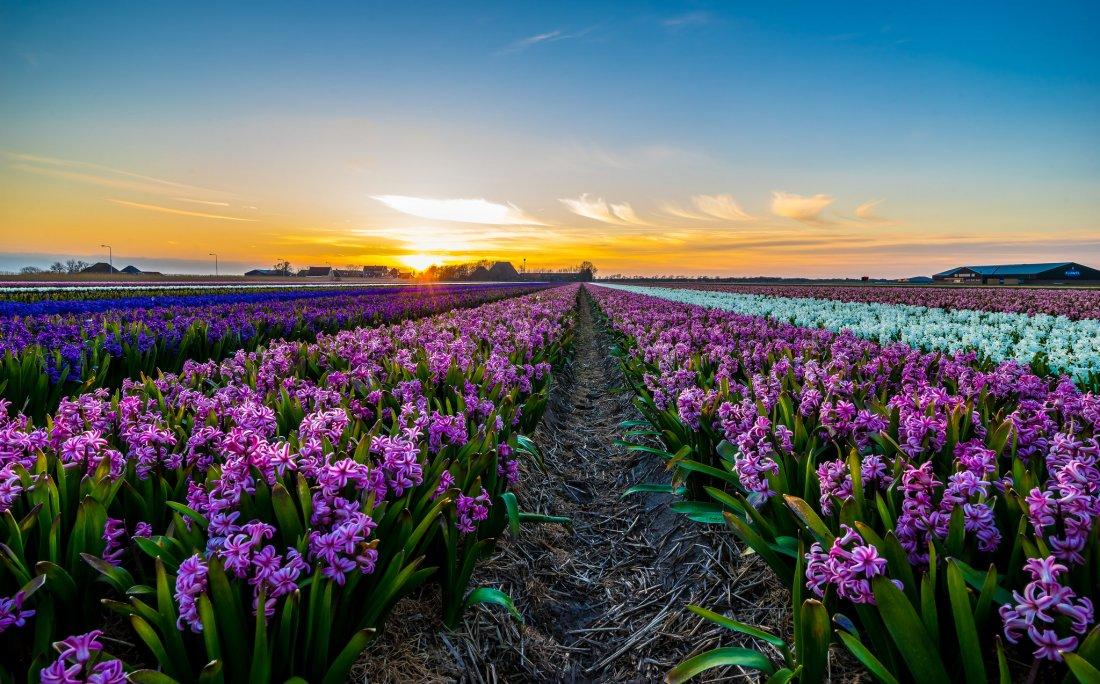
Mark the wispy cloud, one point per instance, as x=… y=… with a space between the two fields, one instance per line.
x=721 y=207
x=99 y=174
x=542 y=39
x=685 y=21
x=180 y=212
x=676 y=210
x=462 y=210
x=709 y=208
x=805 y=209
x=199 y=201
x=598 y=210
x=866 y=212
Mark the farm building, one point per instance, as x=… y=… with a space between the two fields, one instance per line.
x=1064 y=272
x=266 y=272
x=317 y=272
x=100 y=267
x=131 y=270
x=503 y=270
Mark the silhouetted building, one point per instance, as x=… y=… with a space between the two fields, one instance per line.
x=100 y=267
x=1063 y=272
x=503 y=270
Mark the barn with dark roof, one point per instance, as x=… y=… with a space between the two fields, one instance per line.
x=1057 y=273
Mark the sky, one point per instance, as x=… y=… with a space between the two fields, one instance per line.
x=792 y=139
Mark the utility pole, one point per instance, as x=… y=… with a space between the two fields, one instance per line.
x=215 y=255
x=110 y=257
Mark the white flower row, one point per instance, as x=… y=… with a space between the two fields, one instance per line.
x=1071 y=347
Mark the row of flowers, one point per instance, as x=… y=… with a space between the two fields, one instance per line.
x=35 y=291
x=257 y=518
x=1050 y=343
x=914 y=502
x=100 y=342
x=1074 y=303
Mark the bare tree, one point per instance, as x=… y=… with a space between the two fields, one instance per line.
x=30 y=270
x=57 y=267
x=75 y=265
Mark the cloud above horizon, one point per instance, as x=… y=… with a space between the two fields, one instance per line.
x=598 y=210
x=179 y=212
x=541 y=39
x=104 y=176
x=801 y=208
x=461 y=210
x=866 y=212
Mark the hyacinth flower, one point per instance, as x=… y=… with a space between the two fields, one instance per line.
x=82 y=659
x=932 y=457
x=1036 y=611
x=81 y=343
x=299 y=489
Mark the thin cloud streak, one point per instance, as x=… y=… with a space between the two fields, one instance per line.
x=542 y=39
x=180 y=212
x=99 y=174
x=688 y=20
x=461 y=210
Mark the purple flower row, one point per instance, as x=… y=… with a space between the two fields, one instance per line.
x=943 y=435
x=359 y=418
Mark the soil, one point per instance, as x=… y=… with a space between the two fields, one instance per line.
x=605 y=600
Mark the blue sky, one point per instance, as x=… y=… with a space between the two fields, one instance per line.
x=971 y=125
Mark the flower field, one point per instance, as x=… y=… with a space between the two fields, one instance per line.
x=258 y=517
x=930 y=510
x=1075 y=303
x=49 y=348
x=245 y=485
x=1047 y=342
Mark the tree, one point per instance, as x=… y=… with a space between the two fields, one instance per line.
x=75 y=265
x=587 y=270
x=283 y=267
x=57 y=267
x=29 y=270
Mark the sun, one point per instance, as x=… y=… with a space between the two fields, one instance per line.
x=419 y=262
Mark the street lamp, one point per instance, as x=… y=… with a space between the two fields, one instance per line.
x=110 y=257
x=215 y=255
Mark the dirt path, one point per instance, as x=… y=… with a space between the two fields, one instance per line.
x=605 y=601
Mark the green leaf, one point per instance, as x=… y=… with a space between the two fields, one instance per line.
x=149 y=636
x=511 y=508
x=970 y=648
x=737 y=626
x=654 y=487
x=149 y=677
x=908 y=633
x=1082 y=669
x=212 y=673
x=809 y=518
x=864 y=656
x=337 y=672
x=700 y=511
x=719 y=657
x=817 y=633
x=260 y=672
x=189 y=513
x=290 y=524
x=490 y=595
